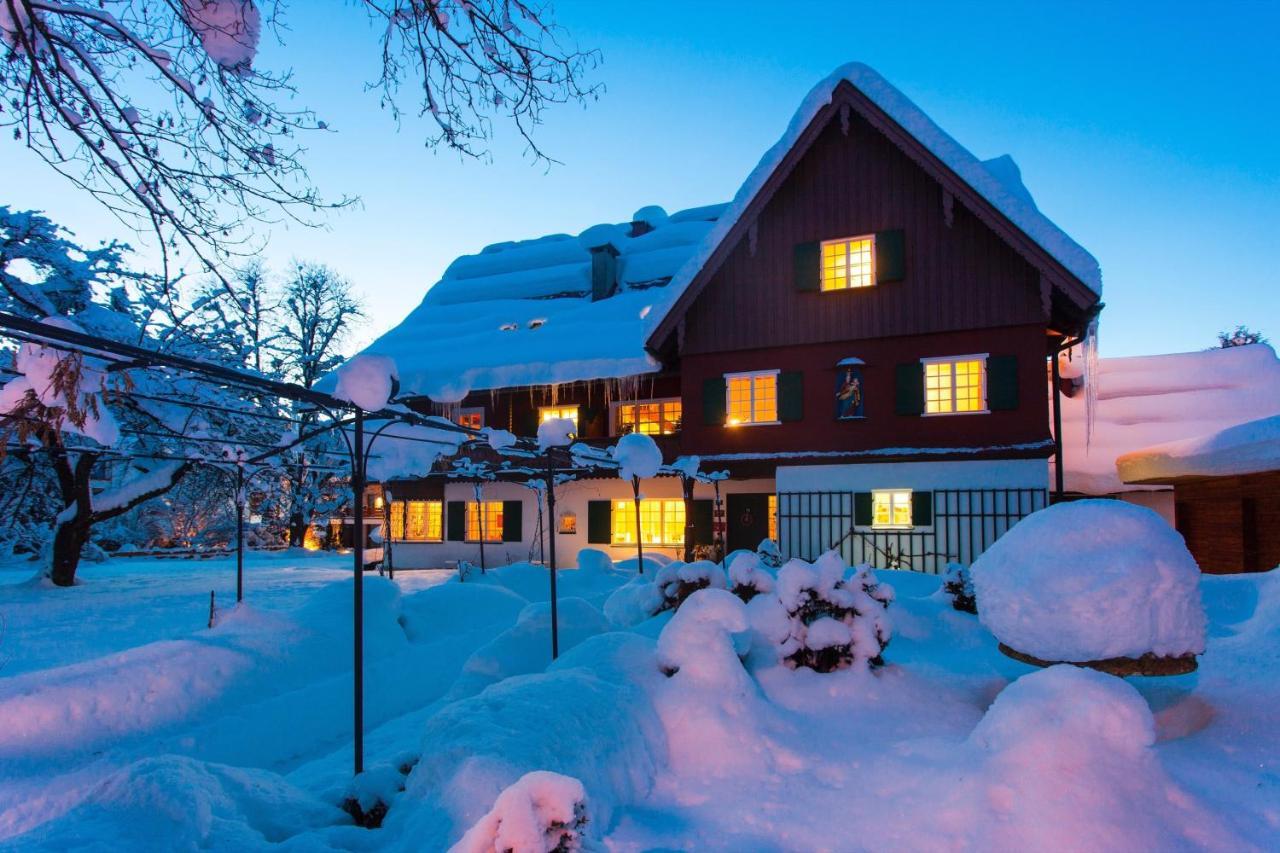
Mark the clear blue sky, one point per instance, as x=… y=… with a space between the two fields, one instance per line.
x=1149 y=132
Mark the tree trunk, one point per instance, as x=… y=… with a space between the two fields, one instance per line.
x=68 y=543
x=297 y=530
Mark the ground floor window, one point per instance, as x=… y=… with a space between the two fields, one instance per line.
x=661 y=522
x=891 y=508
x=773 y=517
x=484 y=521
x=417 y=521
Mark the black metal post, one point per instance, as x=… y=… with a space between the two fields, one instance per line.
x=551 y=567
x=357 y=496
x=686 y=488
x=635 y=490
x=239 y=534
x=1058 y=474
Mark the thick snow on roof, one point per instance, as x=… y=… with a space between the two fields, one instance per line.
x=1246 y=448
x=998 y=180
x=520 y=313
x=1150 y=400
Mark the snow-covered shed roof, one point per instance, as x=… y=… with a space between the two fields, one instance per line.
x=1154 y=400
x=998 y=181
x=1247 y=448
x=521 y=313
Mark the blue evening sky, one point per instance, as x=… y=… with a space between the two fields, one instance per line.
x=1149 y=132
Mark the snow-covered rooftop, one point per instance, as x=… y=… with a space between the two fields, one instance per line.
x=520 y=313
x=1154 y=400
x=1247 y=448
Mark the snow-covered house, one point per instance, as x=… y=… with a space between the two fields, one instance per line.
x=1226 y=492
x=859 y=339
x=1148 y=400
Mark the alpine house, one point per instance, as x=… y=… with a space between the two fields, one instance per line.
x=860 y=339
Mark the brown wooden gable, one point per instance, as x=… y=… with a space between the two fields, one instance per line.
x=852 y=171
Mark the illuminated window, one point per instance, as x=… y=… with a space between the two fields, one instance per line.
x=551 y=413
x=773 y=517
x=417 y=521
x=955 y=385
x=491 y=518
x=651 y=417
x=891 y=508
x=752 y=398
x=471 y=418
x=848 y=263
x=661 y=522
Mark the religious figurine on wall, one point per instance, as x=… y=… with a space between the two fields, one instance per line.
x=848 y=392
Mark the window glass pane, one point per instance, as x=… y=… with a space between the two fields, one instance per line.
x=471 y=420
x=773 y=517
x=766 y=398
x=624 y=523
x=492 y=521
x=902 y=509
x=671 y=417
x=397 y=519
x=435 y=521
x=417 y=520
x=626 y=418
x=549 y=413
x=881 y=509
x=661 y=522
x=848 y=263
x=673 y=522
x=740 y=400
x=891 y=508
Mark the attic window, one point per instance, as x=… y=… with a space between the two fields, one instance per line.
x=848 y=262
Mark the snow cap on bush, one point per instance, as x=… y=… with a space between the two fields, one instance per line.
x=637 y=455
x=704 y=641
x=369 y=381
x=556 y=432
x=748 y=576
x=1091 y=580
x=540 y=813
x=677 y=581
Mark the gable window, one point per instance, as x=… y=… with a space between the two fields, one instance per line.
x=751 y=398
x=471 y=418
x=417 y=521
x=651 y=417
x=484 y=521
x=891 y=508
x=955 y=385
x=848 y=262
x=661 y=522
x=551 y=413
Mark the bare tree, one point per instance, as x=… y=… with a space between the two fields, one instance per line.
x=159 y=110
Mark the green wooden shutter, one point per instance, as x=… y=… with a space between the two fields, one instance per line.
x=599 y=522
x=512 y=521
x=909 y=394
x=702 y=523
x=713 y=401
x=1002 y=382
x=922 y=509
x=862 y=509
x=806 y=261
x=526 y=422
x=891 y=256
x=791 y=396
x=456 y=521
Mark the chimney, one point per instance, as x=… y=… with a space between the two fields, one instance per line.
x=604 y=271
x=638 y=227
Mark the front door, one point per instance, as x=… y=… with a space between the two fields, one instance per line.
x=748 y=520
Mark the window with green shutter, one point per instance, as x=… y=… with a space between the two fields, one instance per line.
x=456 y=521
x=791 y=396
x=891 y=256
x=862 y=514
x=512 y=521
x=1002 y=382
x=909 y=389
x=714 y=401
x=599 y=522
x=806 y=266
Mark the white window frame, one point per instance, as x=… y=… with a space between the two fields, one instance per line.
x=952 y=359
x=662 y=401
x=630 y=514
x=472 y=410
x=776 y=373
x=910 y=493
x=845 y=241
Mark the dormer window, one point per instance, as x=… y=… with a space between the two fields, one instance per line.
x=551 y=413
x=848 y=262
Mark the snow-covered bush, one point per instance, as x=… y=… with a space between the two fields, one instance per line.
x=637 y=455
x=706 y=640
x=370 y=795
x=677 y=581
x=543 y=812
x=769 y=553
x=1089 y=581
x=748 y=576
x=468 y=570
x=820 y=619
x=958 y=584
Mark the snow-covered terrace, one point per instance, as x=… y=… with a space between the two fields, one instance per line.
x=1248 y=448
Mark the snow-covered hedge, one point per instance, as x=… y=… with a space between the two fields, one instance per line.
x=957 y=583
x=541 y=813
x=1092 y=580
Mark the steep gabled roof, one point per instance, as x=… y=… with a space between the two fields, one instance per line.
x=992 y=189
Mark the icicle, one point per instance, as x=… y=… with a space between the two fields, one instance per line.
x=1091 y=379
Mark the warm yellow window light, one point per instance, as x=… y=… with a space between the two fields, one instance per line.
x=422 y=521
x=651 y=417
x=848 y=263
x=551 y=413
x=773 y=517
x=492 y=518
x=752 y=398
x=891 y=508
x=955 y=386
x=661 y=522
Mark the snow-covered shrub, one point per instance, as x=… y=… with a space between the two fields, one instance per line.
x=706 y=639
x=677 y=581
x=748 y=576
x=543 y=812
x=370 y=795
x=1092 y=580
x=769 y=553
x=468 y=570
x=822 y=620
x=634 y=602
x=958 y=584
x=637 y=455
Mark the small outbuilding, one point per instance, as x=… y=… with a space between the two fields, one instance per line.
x=1226 y=488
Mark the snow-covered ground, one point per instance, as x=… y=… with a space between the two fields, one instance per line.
x=127 y=724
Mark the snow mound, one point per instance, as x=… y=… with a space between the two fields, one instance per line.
x=540 y=813
x=704 y=641
x=637 y=455
x=1247 y=448
x=1091 y=580
x=748 y=576
x=369 y=381
x=556 y=432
